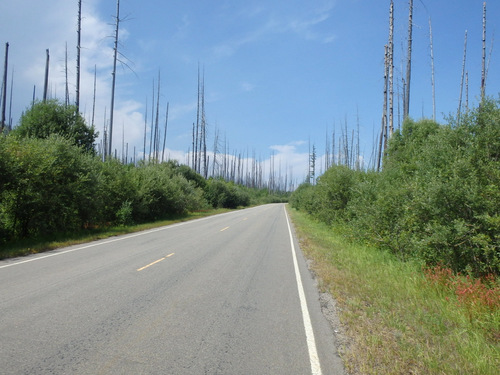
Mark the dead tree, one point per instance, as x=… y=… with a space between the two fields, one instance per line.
x=327 y=150
x=462 y=79
x=10 y=100
x=157 y=119
x=4 y=87
x=93 y=99
x=483 y=68
x=151 y=133
x=46 y=81
x=313 y=164
x=391 y=69
x=203 y=140
x=193 y=158
x=383 y=129
x=66 y=95
x=79 y=32
x=333 y=146
x=406 y=110
x=165 y=135
x=357 y=164
x=145 y=128
x=433 y=82
x=467 y=91
x=215 y=151
x=113 y=84
x=197 y=132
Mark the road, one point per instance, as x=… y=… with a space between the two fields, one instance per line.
x=218 y=295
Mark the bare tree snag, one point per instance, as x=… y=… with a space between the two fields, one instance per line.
x=433 y=82
x=46 y=81
x=66 y=95
x=462 y=79
x=391 y=69
x=165 y=135
x=113 y=84
x=93 y=99
x=483 y=68
x=408 y=62
x=4 y=86
x=78 y=32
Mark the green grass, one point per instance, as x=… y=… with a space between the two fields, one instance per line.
x=58 y=240
x=395 y=319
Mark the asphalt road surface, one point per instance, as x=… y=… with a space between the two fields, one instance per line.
x=228 y=294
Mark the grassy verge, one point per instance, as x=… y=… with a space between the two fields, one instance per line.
x=38 y=245
x=397 y=321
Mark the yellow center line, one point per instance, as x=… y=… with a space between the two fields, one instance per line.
x=223 y=229
x=156 y=261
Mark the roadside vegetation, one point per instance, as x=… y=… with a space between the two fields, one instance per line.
x=54 y=186
x=413 y=251
x=400 y=318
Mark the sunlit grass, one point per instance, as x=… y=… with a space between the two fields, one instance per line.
x=396 y=321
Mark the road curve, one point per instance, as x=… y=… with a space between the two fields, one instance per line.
x=219 y=295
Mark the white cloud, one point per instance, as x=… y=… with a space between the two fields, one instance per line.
x=277 y=22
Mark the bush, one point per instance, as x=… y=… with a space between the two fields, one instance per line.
x=303 y=198
x=49 y=187
x=51 y=117
x=222 y=194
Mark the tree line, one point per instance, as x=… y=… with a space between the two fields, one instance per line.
x=52 y=180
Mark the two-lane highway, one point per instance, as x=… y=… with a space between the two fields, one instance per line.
x=227 y=294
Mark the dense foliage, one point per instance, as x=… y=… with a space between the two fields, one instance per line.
x=49 y=185
x=50 y=117
x=437 y=198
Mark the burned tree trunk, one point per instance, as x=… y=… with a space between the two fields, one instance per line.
x=408 y=62
x=391 y=69
x=483 y=68
x=79 y=31
x=113 y=84
x=165 y=135
x=66 y=85
x=383 y=129
x=46 y=81
x=433 y=82
x=462 y=79
x=93 y=98
x=4 y=90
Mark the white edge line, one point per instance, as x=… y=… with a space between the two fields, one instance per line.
x=120 y=238
x=311 y=343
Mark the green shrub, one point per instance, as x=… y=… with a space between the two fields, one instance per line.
x=436 y=199
x=51 y=117
x=50 y=188
x=303 y=198
x=222 y=194
x=124 y=214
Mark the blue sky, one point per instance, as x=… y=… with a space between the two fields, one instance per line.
x=278 y=74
